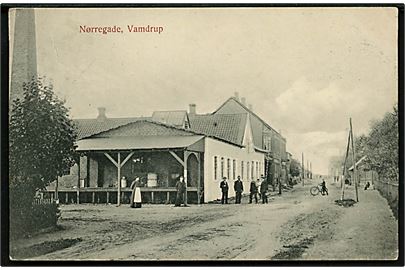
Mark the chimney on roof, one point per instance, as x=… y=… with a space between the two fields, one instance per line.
x=192 y=109
x=243 y=100
x=237 y=96
x=101 y=114
x=251 y=107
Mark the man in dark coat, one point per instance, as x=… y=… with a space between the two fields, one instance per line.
x=253 y=191
x=263 y=190
x=181 y=191
x=224 y=188
x=238 y=187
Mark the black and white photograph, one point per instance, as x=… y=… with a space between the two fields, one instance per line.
x=186 y=133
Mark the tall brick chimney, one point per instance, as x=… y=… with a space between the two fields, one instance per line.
x=24 y=56
x=101 y=114
x=192 y=109
x=250 y=107
x=243 y=100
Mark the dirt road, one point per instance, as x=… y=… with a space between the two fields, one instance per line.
x=295 y=225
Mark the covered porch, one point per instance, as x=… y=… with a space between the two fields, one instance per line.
x=158 y=161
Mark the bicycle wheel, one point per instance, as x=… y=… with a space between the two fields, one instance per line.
x=314 y=191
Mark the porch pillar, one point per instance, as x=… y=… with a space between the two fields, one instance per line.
x=78 y=182
x=186 y=154
x=199 y=179
x=184 y=163
x=119 y=165
x=119 y=179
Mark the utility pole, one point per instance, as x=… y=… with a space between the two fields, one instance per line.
x=354 y=161
x=302 y=168
x=342 y=184
x=308 y=169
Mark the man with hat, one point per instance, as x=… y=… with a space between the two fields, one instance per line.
x=224 y=188
x=238 y=186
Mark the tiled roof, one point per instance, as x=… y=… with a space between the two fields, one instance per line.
x=251 y=112
x=225 y=127
x=136 y=143
x=144 y=128
x=228 y=127
x=175 y=118
x=89 y=127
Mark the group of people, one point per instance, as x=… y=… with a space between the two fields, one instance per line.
x=136 y=201
x=256 y=189
x=237 y=186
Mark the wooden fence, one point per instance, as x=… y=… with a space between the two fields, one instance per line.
x=38 y=201
x=389 y=190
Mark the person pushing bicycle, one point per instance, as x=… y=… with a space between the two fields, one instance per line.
x=324 y=189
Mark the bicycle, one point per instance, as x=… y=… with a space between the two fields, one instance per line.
x=315 y=190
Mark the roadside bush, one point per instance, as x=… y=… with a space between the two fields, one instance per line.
x=41 y=147
x=24 y=222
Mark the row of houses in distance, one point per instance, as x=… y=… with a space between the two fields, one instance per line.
x=229 y=142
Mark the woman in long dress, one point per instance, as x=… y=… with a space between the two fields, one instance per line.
x=136 y=200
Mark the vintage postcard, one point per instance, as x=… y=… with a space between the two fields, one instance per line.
x=204 y=134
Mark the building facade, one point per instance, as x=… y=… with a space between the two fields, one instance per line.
x=203 y=148
x=264 y=138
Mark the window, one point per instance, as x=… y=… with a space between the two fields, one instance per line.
x=215 y=168
x=260 y=168
x=228 y=168
x=222 y=167
x=247 y=170
x=267 y=142
x=234 y=169
x=241 y=168
x=253 y=170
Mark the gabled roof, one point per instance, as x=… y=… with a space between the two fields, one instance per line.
x=228 y=127
x=137 y=143
x=175 y=118
x=249 y=111
x=144 y=128
x=89 y=127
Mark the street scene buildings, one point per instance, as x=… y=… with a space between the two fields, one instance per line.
x=205 y=148
x=228 y=134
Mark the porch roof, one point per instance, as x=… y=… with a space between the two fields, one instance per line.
x=137 y=143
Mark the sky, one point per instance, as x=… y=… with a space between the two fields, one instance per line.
x=304 y=70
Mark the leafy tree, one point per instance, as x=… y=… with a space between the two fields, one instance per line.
x=382 y=146
x=41 y=141
x=295 y=167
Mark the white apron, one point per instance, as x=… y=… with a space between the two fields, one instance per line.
x=137 y=197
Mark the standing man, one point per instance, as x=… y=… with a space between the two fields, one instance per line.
x=224 y=188
x=253 y=191
x=181 y=190
x=263 y=190
x=238 y=187
x=258 y=184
